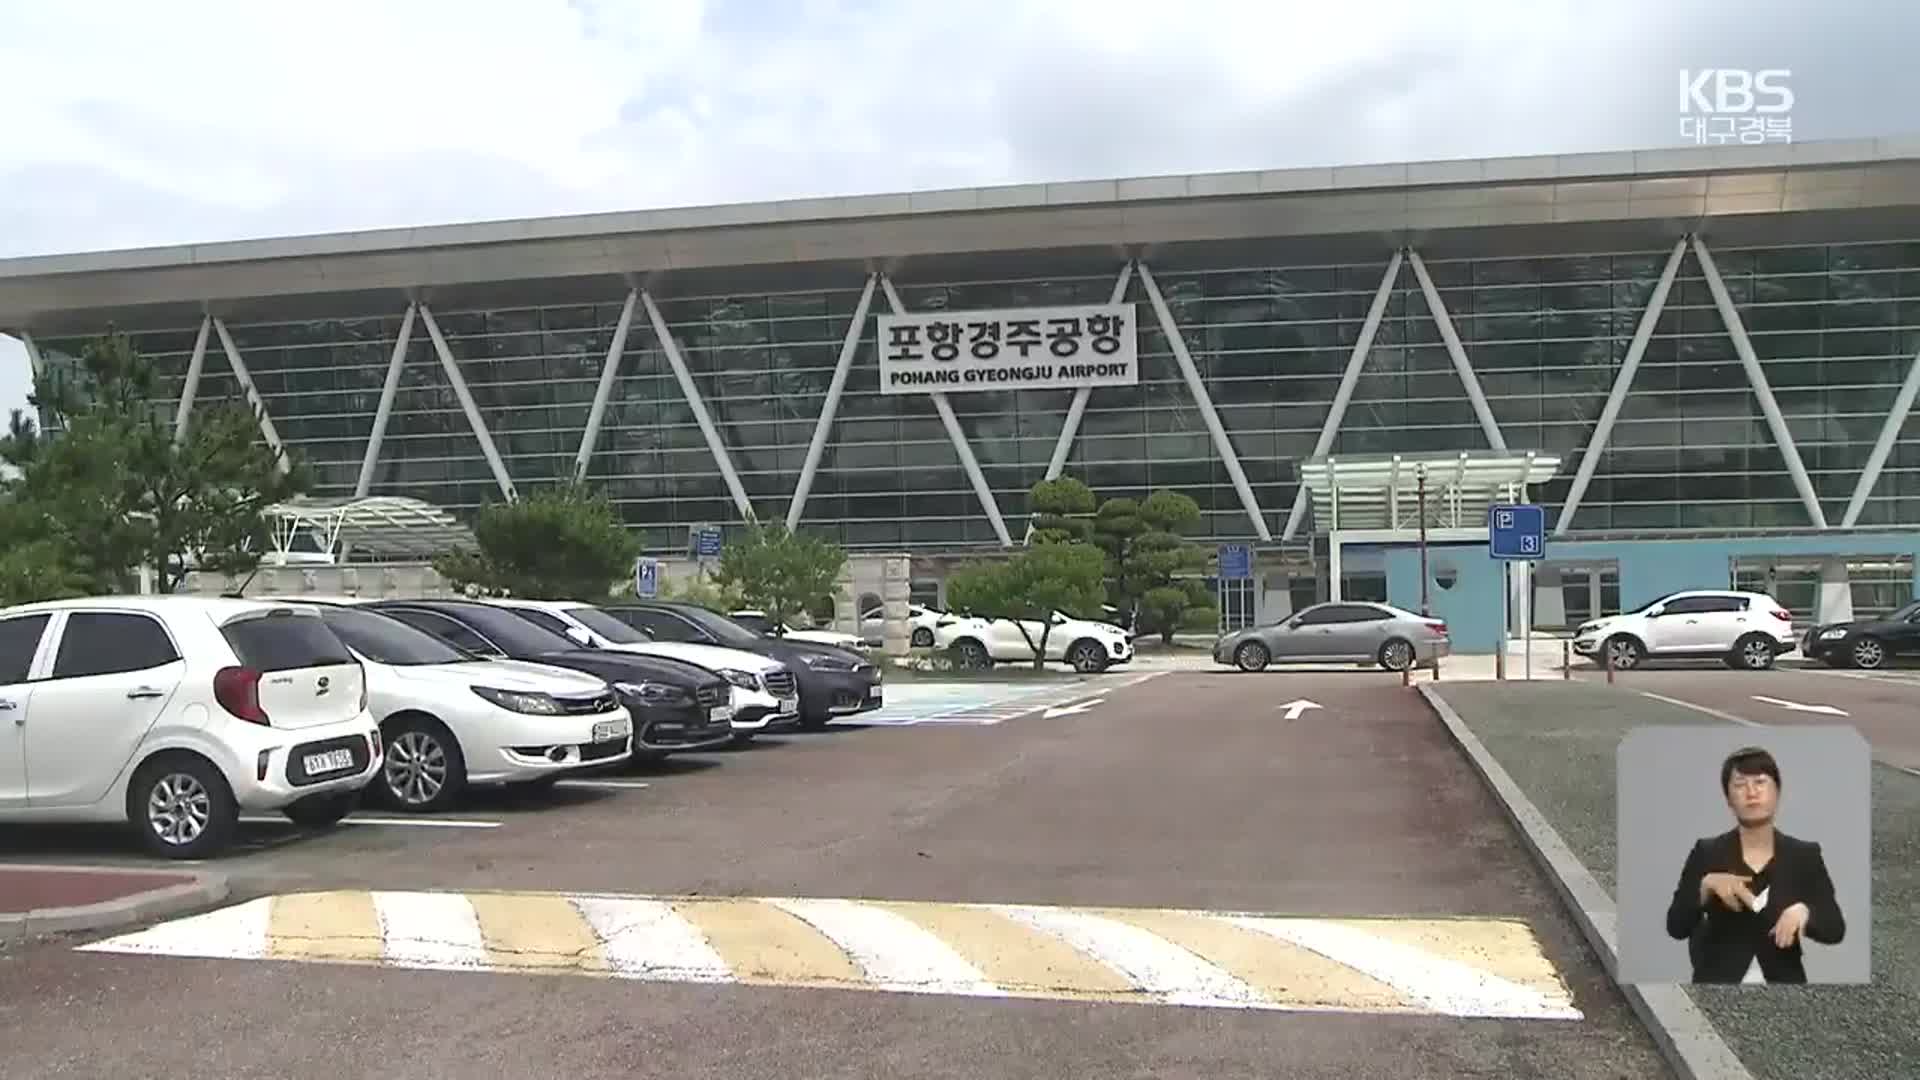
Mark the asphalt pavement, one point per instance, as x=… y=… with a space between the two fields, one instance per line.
x=1173 y=877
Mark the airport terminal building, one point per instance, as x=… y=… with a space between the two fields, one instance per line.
x=1701 y=361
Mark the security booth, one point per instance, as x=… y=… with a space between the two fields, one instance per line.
x=1419 y=521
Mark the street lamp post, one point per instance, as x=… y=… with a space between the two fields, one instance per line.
x=1426 y=609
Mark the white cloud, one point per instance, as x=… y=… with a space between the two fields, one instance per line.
x=130 y=123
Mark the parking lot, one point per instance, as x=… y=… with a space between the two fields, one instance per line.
x=1883 y=705
x=1299 y=892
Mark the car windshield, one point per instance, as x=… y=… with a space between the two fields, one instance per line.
x=389 y=641
x=724 y=630
x=1905 y=613
x=514 y=635
x=1643 y=608
x=753 y=621
x=607 y=626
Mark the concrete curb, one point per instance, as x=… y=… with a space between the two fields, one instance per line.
x=205 y=890
x=1686 y=1038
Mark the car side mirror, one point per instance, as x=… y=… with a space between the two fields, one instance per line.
x=1295 y=624
x=580 y=636
x=1656 y=613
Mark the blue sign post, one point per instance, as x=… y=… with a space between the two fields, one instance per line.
x=1516 y=532
x=706 y=542
x=646 y=577
x=1236 y=562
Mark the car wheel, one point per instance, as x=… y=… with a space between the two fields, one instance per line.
x=922 y=637
x=321 y=811
x=1087 y=657
x=1624 y=653
x=424 y=770
x=1397 y=654
x=182 y=807
x=1868 y=653
x=1251 y=656
x=970 y=655
x=1753 y=653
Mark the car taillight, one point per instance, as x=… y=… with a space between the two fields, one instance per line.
x=1439 y=628
x=237 y=689
x=1783 y=616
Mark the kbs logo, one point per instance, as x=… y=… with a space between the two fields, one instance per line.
x=1724 y=105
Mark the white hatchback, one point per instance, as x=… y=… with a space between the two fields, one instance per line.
x=175 y=713
x=766 y=696
x=452 y=720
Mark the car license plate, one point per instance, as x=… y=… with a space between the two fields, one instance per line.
x=609 y=730
x=720 y=714
x=873 y=692
x=331 y=761
x=789 y=705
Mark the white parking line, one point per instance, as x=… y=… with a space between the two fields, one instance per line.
x=423 y=822
x=617 y=785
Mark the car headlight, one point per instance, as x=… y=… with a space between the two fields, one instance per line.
x=822 y=662
x=1832 y=635
x=652 y=693
x=745 y=680
x=520 y=701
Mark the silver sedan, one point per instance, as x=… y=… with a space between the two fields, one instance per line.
x=1362 y=633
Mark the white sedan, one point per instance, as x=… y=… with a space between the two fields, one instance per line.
x=766 y=696
x=452 y=720
x=175 y=713
x=1090 y=647
x=758 y=622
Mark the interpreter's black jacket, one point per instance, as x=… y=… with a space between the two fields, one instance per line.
x=1724 y=942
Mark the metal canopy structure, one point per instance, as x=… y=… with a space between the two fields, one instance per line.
x=380 y=525
x=1380 y=493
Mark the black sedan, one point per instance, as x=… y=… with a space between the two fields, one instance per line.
x=1865 y=643
x=833 y=681
x=676 y=706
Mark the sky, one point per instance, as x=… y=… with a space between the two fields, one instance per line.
x=125 y=123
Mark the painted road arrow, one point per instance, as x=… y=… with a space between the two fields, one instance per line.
x=1825 y=710
x=1297 y=706
x=1071 y=710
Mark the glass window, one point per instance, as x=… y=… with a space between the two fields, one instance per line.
x=545 y=620
x=387 y=640
x=110 y=643
x=607 y=626
x=19 y=641
x=664 y=626
x=448 y=630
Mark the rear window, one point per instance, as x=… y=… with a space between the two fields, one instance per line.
x=284 y=641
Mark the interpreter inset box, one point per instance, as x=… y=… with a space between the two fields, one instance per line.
x=1743 y=855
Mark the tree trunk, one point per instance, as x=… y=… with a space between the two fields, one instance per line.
x=1166 y=634
x=1040 y=654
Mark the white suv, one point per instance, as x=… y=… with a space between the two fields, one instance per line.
x=1746 y=630
x=453 y=720
x=1090 y=647
x=175 y=713
x=765 y=695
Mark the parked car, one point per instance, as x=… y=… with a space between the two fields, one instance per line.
x=452 y=720
x=978 y=642
x=1865 y=643
x=766 y=697
x=1744 y=629
x=676 y=707
x=920 y=624
x=833 y=681
x=1382 y=634
x=760 y=623
x=176 y=713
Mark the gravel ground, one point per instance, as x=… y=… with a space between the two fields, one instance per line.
x=1557 y=741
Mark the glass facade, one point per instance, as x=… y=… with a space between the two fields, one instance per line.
x=1835 y=327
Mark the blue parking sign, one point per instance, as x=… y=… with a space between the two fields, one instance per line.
x=646 y=577
x=1517 y=532
x=1236 y=562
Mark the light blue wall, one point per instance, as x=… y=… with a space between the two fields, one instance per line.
x=1648 y=569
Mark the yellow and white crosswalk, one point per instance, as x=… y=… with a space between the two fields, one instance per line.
x=1452 y=967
